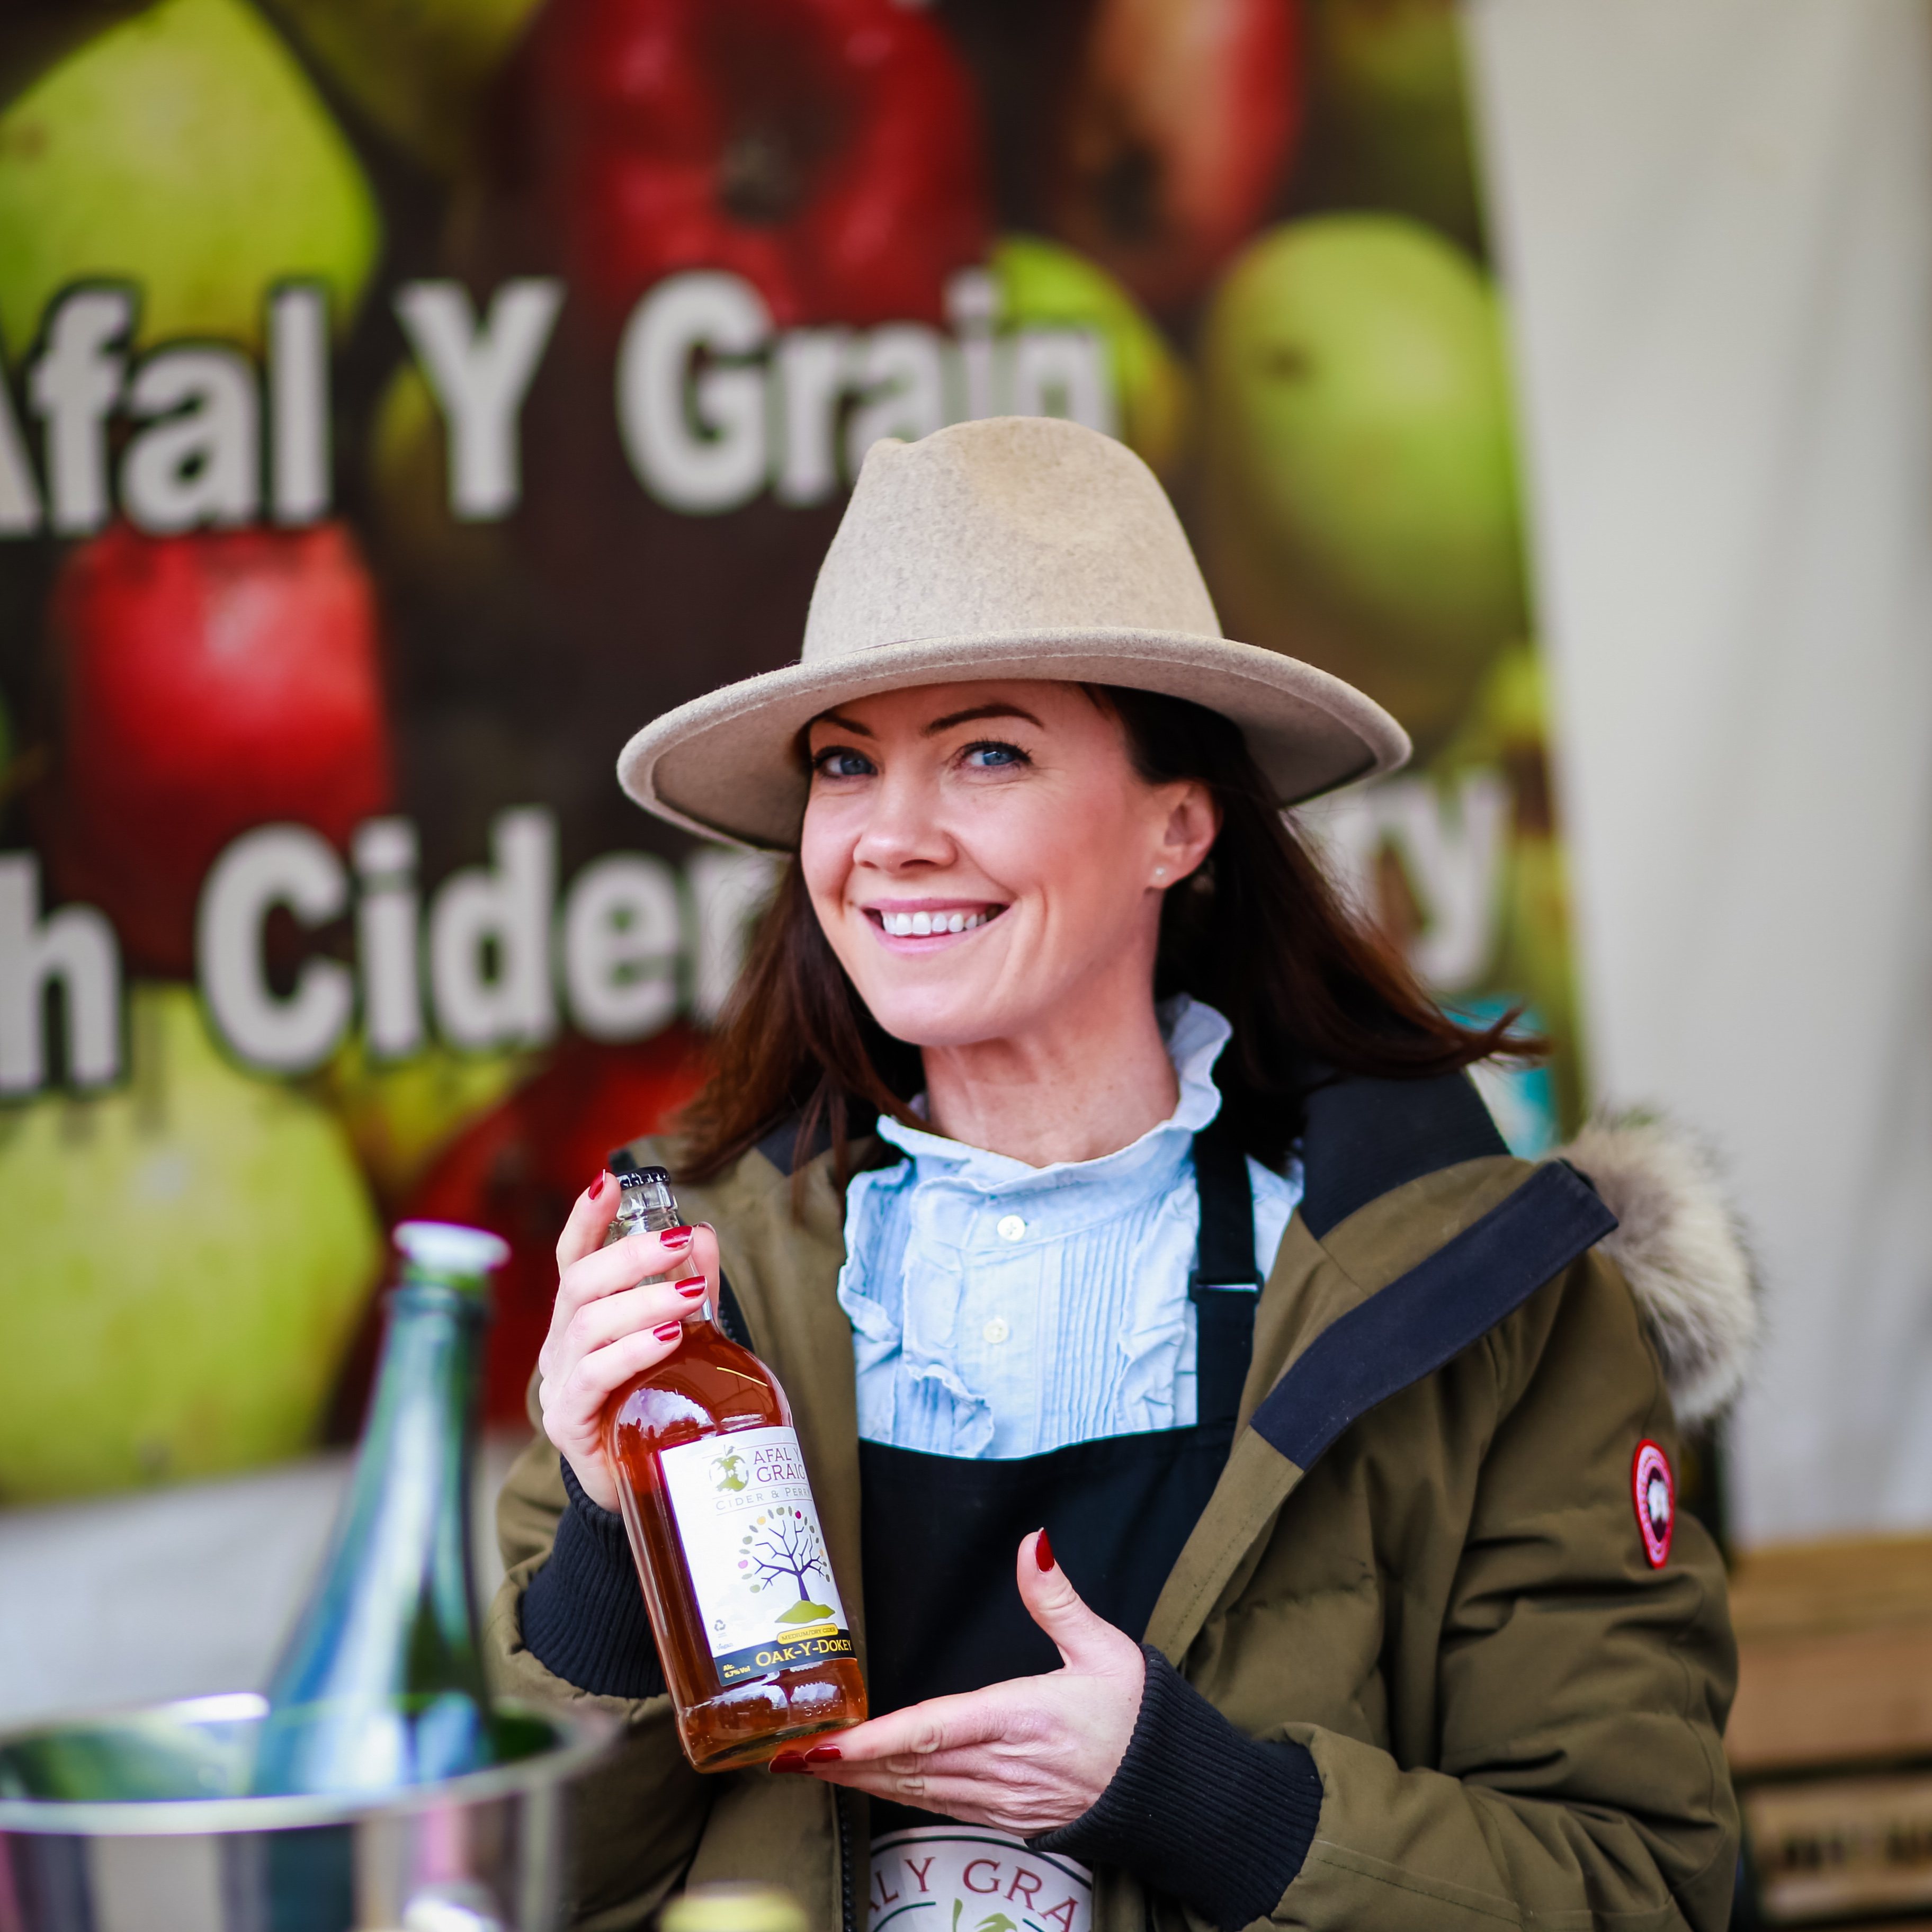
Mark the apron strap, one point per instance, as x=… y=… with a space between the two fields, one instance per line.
x=1225 y=1283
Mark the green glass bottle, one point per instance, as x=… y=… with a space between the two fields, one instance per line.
x=382 y=1683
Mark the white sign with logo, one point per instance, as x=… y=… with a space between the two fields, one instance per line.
x=971 y=1879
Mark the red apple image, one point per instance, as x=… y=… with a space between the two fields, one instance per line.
x=518 y=1170
x=1172 y=138
x=828 y=150
x=208 y=683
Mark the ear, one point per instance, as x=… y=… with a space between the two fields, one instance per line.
x=1193 y=823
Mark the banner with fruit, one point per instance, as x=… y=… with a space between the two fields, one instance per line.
x=405 y=398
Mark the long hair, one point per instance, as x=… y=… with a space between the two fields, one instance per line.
x=1258 y=932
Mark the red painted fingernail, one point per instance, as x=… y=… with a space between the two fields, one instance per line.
x=596 y=1192
x=1042 y=1552
x=823 y=1754
x=668 y=1331
x=676 y=1237
x=787 y=1763
x=692 y=1289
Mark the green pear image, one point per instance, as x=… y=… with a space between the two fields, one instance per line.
x=185 y=150
x=1045 y=284
x=186 y=1261
x=419 y=69
x=1358 y=502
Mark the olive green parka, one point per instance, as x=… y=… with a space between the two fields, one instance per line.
x=1516 y=1716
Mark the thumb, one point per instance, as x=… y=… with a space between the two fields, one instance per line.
x=1085 y=1642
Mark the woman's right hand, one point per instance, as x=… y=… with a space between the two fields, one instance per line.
x=604 y=1328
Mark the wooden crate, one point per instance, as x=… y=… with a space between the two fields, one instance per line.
x=1834 y=1642
x=1832 y=1728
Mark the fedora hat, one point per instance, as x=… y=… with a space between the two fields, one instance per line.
x=1017 y=546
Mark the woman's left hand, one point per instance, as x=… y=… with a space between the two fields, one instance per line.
x=1025 y=1756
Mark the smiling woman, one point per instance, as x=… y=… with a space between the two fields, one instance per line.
x=1223 y=1446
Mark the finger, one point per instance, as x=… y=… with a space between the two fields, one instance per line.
x=677 y=1252
x=597 y=1324
x=919 y=1730
x=1085 y=1642
x=581 y=1395
x=978 y=1795
x=591 y=1214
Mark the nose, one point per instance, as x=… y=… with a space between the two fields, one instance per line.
x=902 y=829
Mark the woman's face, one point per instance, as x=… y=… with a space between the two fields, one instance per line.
x=985 y=862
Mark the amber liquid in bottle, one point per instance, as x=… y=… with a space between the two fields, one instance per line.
x=747 y=1614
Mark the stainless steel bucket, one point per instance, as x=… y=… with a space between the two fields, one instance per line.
x=134 y=1823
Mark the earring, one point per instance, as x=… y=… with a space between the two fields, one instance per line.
x=1159 y=875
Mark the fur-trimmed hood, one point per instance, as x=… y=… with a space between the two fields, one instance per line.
x=1683 y=1251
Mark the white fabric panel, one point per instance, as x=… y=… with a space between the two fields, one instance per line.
x=1715 y=221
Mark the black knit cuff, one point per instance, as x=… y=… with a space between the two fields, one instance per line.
x=584 y=1619
x=1198 y=1810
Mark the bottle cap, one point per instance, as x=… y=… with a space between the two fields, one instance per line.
x=646 y=1177
x=733 y=1908
x=444 y=1248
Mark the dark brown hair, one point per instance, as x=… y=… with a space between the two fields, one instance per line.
x=1258 y=932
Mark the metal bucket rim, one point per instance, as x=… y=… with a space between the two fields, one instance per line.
x=585 y=1733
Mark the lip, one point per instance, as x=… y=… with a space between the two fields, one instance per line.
x=879 y=912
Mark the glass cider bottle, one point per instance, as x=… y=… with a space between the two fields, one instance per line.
x=381 y=1682
x=750 y=1629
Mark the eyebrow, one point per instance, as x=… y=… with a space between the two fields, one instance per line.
x=938 y=725
x=978 y=711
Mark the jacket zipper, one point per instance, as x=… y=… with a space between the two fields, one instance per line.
x=731 y=1320
x=848 y=1913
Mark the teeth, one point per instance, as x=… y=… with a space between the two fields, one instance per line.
x=918 y=924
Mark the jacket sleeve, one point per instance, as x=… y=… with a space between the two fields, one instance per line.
x=1580 y=1693
x=636 y=1820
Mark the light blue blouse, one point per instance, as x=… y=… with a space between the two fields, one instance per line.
x=999 y=1309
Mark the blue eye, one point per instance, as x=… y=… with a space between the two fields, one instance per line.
x=839 y=761
x=993 y=757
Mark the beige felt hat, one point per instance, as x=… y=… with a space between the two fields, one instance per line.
x=1019 y=546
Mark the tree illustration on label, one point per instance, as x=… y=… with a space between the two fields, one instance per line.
x=783 y=1545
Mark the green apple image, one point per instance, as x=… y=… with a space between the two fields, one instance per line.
x=1393 y=126
x=401 y=1114
x=187 y=1260
x=1044 y=284
x=183 y=150
x=1358 y=502
x=419 y=69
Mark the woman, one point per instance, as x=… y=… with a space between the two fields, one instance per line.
x=1141 y=1264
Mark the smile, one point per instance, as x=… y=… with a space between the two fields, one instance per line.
x=923 y=925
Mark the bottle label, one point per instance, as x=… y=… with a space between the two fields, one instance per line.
x=755 y=1551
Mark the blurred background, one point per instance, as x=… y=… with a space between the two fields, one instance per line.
x=404 y=400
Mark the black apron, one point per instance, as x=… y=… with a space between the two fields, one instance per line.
x=940 y=1533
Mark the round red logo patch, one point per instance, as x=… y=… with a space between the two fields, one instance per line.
x=1655 y=1493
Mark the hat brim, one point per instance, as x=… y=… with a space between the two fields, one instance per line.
x=725 y=765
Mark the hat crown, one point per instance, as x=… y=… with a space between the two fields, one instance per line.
x=1010 y=525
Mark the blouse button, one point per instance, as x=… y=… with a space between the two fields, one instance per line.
x=996 y=1330
x=1011 y=1227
